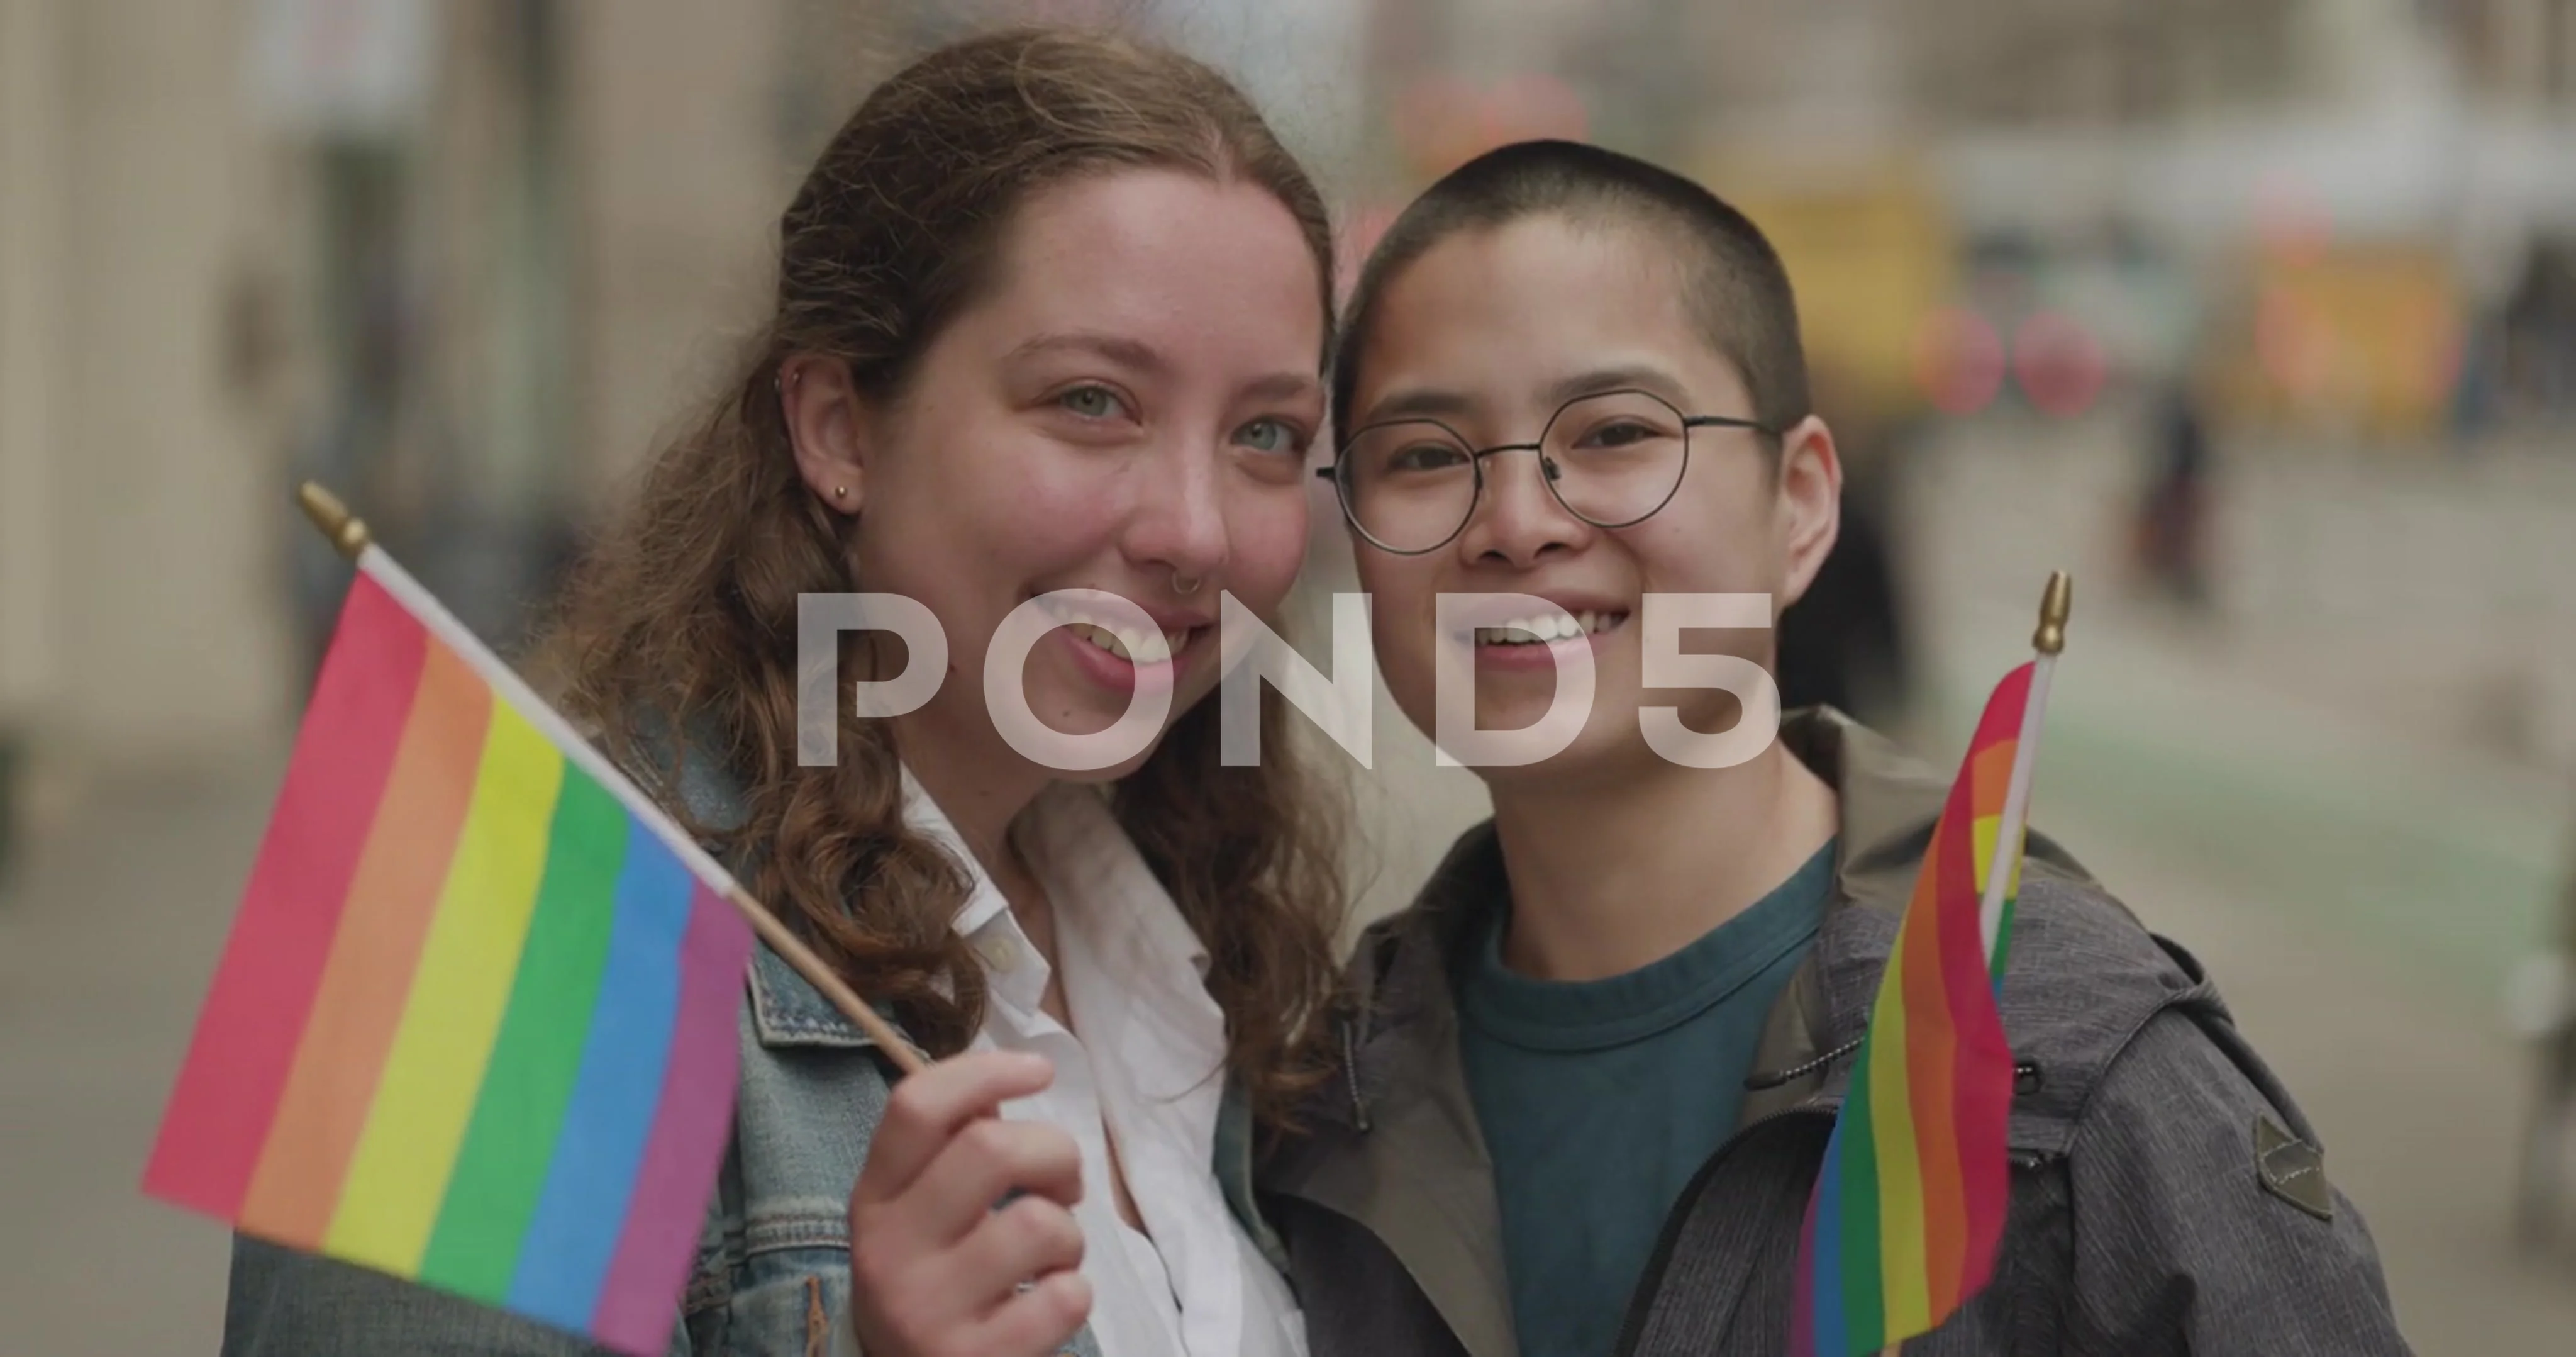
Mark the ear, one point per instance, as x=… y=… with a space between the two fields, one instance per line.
x=827 y=425
x=1810 y=504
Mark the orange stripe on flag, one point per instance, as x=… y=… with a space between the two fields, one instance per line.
x=389 y=1202
x=368 y=978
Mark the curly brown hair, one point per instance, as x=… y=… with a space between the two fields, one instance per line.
x=683 y=617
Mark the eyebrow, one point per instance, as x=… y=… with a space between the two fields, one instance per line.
x=1116 y=348
x=1143 y=357
x=1420 y=403
x=1285 y=386
x=1442 y=403
x=1625 y=377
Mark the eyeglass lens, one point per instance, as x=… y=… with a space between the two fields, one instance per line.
x=1610 y=459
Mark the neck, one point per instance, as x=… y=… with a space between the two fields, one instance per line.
x=979 y=793
x=1610 y=876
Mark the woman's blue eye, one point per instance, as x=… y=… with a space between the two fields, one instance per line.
x=1091 y=402
x=1270 y=435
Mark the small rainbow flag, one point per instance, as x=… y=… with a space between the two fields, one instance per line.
x=1909 y=1206
x=475 y=1024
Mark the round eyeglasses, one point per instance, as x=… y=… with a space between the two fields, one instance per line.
x=1410 y=485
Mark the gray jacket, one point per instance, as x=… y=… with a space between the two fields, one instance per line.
x=2167 y=1194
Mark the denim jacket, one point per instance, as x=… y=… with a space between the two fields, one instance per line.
x=773 y=1272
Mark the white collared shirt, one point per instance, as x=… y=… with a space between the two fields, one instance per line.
x=1146 y=1069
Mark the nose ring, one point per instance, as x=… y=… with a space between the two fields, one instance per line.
x=1185 y=584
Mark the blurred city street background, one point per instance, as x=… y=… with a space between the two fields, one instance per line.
x=2259 y=316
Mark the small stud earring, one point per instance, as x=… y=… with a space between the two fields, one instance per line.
x=840 y=492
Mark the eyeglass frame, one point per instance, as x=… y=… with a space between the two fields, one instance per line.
x=1548 y=470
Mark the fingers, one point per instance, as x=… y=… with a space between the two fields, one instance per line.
x=926 y=1110
x=956 y=1210
x=913 y=1301
x=985 y=1162
x=1038 y=1321
x=1028 y=1239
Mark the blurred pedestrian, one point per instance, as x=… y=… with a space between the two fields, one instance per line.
x=12 y=773
x=2171 y=527
x=2543 y=1004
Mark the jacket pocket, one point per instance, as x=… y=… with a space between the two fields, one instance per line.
x=796 y=1310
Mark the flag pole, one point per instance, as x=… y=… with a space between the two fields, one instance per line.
x=348 y=533
x=2054 y=604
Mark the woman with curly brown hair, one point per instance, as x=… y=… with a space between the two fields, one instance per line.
x=1051 y=315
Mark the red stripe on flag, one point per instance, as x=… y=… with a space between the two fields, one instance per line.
x=2002 y=718
x=255 y=1011
x=1933 y=990
x=1982 y=1099
x=330 y=1091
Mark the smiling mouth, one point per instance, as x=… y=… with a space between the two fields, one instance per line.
x=1147 y=647
x=1534 y=631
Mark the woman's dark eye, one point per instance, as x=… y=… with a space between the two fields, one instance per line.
x=1619 y=435
x=1092 y=402
x=1425 y=457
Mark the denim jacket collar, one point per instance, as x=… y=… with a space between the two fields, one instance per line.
x=786 y=1012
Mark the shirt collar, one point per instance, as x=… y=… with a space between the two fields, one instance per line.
x=1102 y=884
x=923 y=816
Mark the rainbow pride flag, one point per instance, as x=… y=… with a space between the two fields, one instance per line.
x=475 y=1023
x=1909 y=1206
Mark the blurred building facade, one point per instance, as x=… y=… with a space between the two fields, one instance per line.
x=135 y=614
x=471 y=261
x=467 y=262
x=452 y=259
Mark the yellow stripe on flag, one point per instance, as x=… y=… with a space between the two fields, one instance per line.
x=1900 y=1178
x=1985 y=831
x=399 y=1177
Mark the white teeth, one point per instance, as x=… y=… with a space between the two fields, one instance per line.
x=1142 y=647
x=1541 y=630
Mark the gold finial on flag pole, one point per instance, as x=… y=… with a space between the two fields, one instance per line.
x=2053 y=607
x=347 y=531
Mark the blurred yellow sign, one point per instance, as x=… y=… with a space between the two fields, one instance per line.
x=2354 y=335
x=1870 y=252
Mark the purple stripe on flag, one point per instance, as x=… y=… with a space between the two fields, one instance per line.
x=667 y=1213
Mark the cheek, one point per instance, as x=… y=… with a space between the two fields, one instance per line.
x=1266 y=537
x=1708 y=548
x=964 y=527
x=1403 y=616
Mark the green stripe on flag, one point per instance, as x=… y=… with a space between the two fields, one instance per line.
x=1864 y=1241
x=510 y=1142
x=2003 y=941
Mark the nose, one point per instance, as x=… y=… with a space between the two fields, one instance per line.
x=1179 y=524
x=1517 y=520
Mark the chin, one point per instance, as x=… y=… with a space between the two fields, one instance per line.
x=1609 y=744
x=1595 y=754
x=1083 y=715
